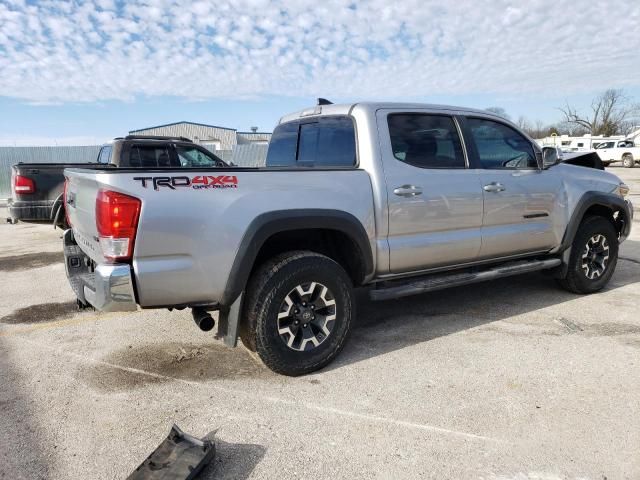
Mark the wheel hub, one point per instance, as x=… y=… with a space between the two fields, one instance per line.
x=595 y=256
x=307 y=315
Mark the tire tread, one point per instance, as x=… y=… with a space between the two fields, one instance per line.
x=261 y=291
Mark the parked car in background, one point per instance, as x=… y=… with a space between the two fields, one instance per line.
x=400 y=198
x=36 y=192
x=618 y=151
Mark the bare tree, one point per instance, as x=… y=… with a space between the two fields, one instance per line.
x=537 y=129
x=523 y=123
x=571 y=129
x=501 y=112
x=610 y=113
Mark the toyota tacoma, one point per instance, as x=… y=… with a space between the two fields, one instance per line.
x=398 y=198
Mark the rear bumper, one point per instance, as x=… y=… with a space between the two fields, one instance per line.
x=38 y=211
x=108 y=288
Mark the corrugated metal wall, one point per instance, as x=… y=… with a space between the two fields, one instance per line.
x=248 y=137
x=249 y=155
x=11 y=155
x=226 y=137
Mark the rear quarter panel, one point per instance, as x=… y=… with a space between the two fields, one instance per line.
x=188 y=238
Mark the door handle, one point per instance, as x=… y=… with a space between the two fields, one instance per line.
x=494 y=187
x=407 y=191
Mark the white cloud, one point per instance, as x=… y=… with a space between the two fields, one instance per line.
x=85 y=52
x=34 y=140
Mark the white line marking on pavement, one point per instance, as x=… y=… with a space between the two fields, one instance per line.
x=271 y=399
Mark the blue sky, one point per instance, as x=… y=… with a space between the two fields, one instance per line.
x=83 y=72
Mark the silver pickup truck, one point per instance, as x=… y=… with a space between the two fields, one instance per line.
x=398 y=198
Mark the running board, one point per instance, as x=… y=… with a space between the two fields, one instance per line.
x=441 y=281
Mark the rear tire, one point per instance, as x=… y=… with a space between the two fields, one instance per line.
x=628 y=161
x=298 y=312
x=594 y=255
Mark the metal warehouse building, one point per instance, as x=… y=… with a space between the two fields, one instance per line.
x=246 y=149
x=211 y=136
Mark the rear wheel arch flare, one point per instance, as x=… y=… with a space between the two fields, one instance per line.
x=268 y=225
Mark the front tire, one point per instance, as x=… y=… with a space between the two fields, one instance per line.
x=298 y=312
x=594 y=255
x=628 y=161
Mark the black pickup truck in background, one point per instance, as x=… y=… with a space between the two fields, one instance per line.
x=36 y=188
x=36 y=192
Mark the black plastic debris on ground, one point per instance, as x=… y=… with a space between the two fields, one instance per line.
x=179 y=457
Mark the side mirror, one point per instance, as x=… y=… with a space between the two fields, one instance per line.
x=550 y=157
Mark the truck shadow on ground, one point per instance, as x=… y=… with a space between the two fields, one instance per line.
x=386 y=326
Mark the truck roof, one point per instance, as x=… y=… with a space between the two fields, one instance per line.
x=149 y=138
x=347 y=108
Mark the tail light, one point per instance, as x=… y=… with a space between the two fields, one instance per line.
x=23 y=185
x=117 y=221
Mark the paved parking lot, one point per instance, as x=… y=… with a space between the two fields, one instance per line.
x=514 y=379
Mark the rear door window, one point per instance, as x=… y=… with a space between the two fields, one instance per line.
x=150 y=156
x=425 y=141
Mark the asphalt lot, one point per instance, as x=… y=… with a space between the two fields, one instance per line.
x=514 y=379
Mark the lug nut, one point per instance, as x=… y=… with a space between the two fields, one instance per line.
x=313 y=307
x=305 y=325
x=296 y=322
x=313 y=317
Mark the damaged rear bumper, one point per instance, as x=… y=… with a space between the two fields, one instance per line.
x=108 y=288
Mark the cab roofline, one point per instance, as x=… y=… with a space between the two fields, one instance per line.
x=346 y=108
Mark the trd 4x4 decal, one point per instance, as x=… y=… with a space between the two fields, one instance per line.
x=198 y=182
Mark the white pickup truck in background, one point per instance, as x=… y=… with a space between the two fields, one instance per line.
x=618 y=151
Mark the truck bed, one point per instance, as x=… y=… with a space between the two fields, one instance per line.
x=41 y=205
x=192 y=221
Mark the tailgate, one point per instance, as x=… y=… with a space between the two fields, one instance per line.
x=82 y=189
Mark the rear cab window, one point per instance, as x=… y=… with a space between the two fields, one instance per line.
x=150 y=156
x=319 y=142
